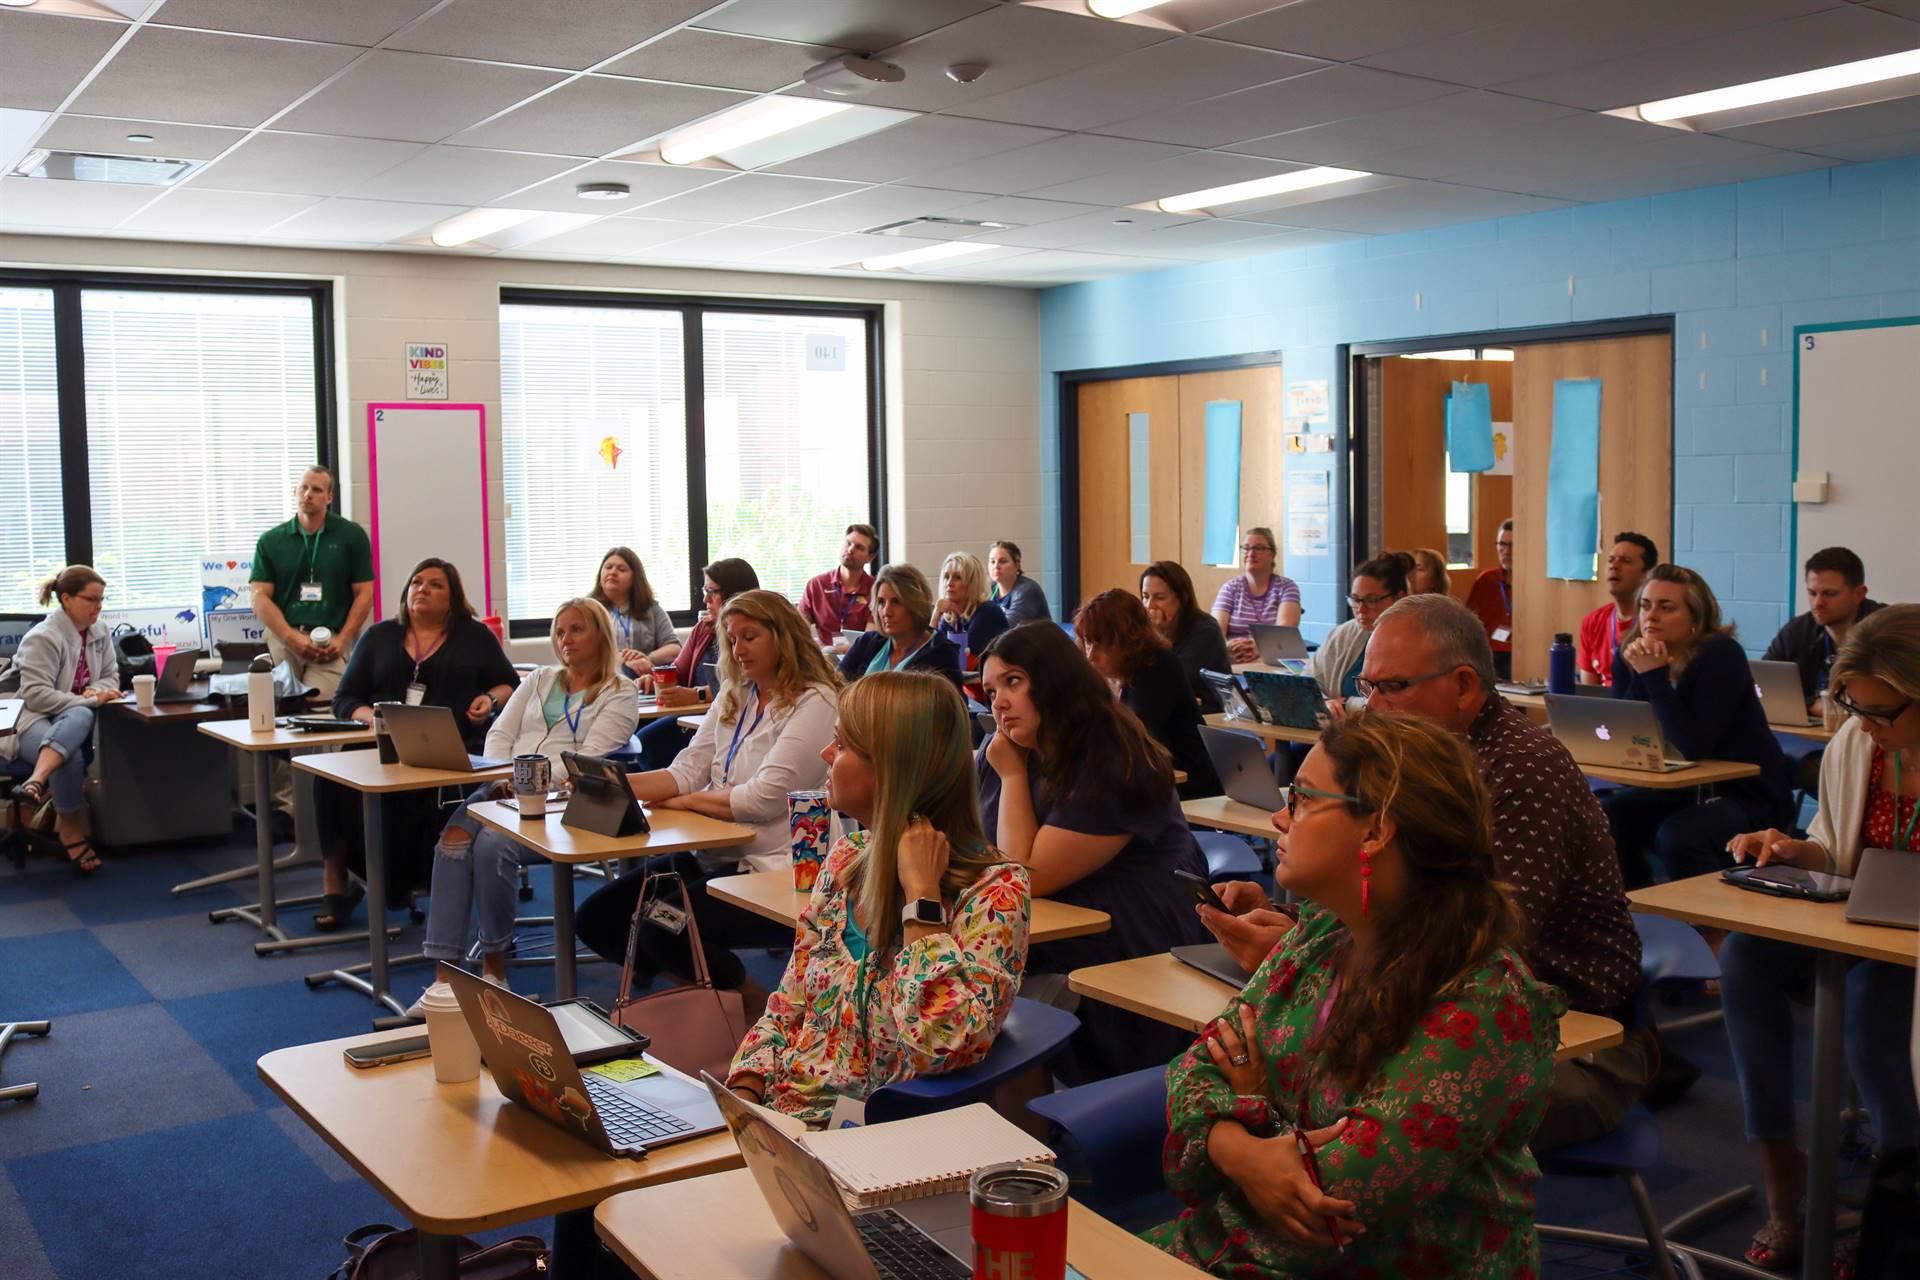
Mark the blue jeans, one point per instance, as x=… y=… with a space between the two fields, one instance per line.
x=662 y=740
x=1758 y=980
x=483 y=874
x=69 y=733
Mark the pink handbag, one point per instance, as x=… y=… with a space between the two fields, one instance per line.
x=696 y=1027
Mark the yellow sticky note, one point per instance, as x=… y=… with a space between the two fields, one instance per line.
x=621 y=1070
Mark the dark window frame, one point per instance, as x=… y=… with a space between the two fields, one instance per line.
x=691 y=309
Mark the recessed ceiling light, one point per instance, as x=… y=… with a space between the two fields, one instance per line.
x=747 y=123
x=1801 y=84
x=1278 y=184
x=932 y=253
x=603 y=191
x=1120 y=8
x=132 y=137
x=475 y=223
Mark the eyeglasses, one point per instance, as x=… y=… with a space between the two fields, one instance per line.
x=1371 y=602
x=1394 y=688
x=1248 y=548
x=711 y=593
x=1882 y=716
x=92 y=599
x=1296 y=791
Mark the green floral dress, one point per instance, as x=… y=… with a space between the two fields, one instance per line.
x=1435 y=1150
x=846 y=1023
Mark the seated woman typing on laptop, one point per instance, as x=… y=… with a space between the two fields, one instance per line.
x=1190 y=631
x=1074 y=789
x=915 y=920
x=1120 y=642
x=67 y=668
x=1396 y=1025
x=903 y=638
x=643 y=630
x=582 y=705
x=694 y=668
x=1679 y=658
x=1255 y=596
x=1869 y=792
x=435 y=653
x=763 y=738
x=1377 y=586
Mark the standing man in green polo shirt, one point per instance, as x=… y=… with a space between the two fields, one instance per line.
x=314 y=571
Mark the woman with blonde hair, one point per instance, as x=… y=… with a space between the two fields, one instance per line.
x=762 y=739
x=1429 y=575
x=903 y=638
x=964 y=614
x=1869 y=792
x=1395 y=1028
x=1680 y=658
x=582 y=704
x=916 y=920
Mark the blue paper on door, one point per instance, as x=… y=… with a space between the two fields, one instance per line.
x=1470 y=427
x=1573 y=481
x=1222 y=520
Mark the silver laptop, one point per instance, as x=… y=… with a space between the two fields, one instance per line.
x=1778 y=684
x=1244 y=772
x=1212 y=959
x=916 y=1240
x=429 y=738
x=1886 y=888
x=1280 y=647
x=523 y=1046
x=1611 y=733
x=173 y=682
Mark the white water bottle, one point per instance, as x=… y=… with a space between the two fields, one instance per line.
x=260 y=695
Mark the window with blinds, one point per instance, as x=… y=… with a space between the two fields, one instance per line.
x=201 y=413
x=32 y=513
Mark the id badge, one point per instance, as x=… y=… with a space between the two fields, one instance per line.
x=848 y=1113
x=416 y=694
x=310 y=593
x=1500 y=635
x=667 y=916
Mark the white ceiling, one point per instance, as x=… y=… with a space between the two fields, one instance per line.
x=362 y=123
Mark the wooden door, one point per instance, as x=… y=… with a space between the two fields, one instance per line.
x=1636 y=473
x=1261 y=463
x=1413 y=461
x=1106 y=491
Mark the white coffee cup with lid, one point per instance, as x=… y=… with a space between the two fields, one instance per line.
x=143 y=691
x=456 y=1054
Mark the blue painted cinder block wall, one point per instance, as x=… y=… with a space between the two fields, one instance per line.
x=1737 y=266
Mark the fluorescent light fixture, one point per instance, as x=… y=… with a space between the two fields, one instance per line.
x=1462 y=353
x=1120 y=8
x=1278 y=185
x=476 y=223
x=932 y=253
x=738 y=126
x=1801 y=84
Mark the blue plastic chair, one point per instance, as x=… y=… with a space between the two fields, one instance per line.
x=1228 y=856
x=1112 y=1131
x=1672 y=953
x=1033 y=1035
x=1626 y=1153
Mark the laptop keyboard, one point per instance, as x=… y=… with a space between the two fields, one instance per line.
x=627 y=1121
x=901 y=1251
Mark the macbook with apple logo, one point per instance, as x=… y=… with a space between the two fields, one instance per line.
x=1611 y=733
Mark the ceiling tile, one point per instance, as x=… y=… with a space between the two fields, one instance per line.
x=1820 y=131
x=301 y=163
x=732 y=244
x=459 y=175
x=914 y=147
x=1286 y=240
x=1534 y=157
x=1133 y=184
x=1047 y=266
x=745 y=197
x=174 y=141
x=692 y=56
x=1315 y=98
x=554 y=33
x=1134 y=231
x=1059 y=160
x=1408 y=207
x=1645 y=182
x=201 y=78
x=1903 y=8
x=843 y=251
x=1890 y=147
x=1358 y=141
x=594 y=116
x=1021 y=211
x=869 y=207
x=343 y=221
x=649 y=182
x=43 y=56
x=1343 y=30
x=30 y=203
x=413 y=97
x=357 y=22
x=221 y=213
x=860 y=25
x=618 y=237
x=1139 y=83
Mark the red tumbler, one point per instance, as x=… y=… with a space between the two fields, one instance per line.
x=1019 y=1222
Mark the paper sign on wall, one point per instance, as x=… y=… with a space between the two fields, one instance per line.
x=180 y=627
x=426 y=371
x=1307 y=533
x=1307 y=400
x=826 y=353
x=1470 y=427
x=1502 y=450
x=226 y=601
x=1306 y=491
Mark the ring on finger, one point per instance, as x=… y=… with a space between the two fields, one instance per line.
x=1240 y=1060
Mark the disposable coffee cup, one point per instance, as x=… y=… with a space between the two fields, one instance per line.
x=143 y=691
x=456 y=1055
x=665 y=677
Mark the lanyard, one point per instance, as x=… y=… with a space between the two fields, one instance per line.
x=625 y=622
x=312 y=545
x=849 y=601
x=740 y=724
x=1506 y=600
x=1903 y=839
x=420 y=658
x=1613 y=632
x=572 y=717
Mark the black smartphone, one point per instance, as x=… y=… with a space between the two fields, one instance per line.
x=1202 y=892
x=378 y=1053
x=1791 y=882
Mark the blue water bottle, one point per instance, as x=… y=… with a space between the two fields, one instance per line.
x=1560 y=664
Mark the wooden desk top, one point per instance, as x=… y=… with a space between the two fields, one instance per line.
x=651 y=710
x=1270 y=732
x=673 y=831
x=721 y=1226
x=1704 y=773
x=693 y=722
x=180 y=712
x=1223 y=814
x=771 y=894
x=362 y=771
x=460 y=1158
x=1161 y=988
x=1709 y=900
x=1815 y=732
x=1535 y=705
x=236 y=734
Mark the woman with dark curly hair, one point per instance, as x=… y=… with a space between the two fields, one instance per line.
x=1120 y=642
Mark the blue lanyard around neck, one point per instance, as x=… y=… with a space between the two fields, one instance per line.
x=572 y=715
x=739 y=726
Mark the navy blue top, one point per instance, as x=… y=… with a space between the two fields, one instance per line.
x=936 y=656
x=1713 y=713
x=988 y=621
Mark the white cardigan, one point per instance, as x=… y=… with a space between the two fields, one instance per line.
x=776 y=753
x=521 y=729
x=1844 y=771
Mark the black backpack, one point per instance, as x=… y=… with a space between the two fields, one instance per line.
x=133 y=653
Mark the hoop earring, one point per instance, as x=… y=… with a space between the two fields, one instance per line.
x=1366 y=872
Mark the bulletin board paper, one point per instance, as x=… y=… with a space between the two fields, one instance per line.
x=427 y=479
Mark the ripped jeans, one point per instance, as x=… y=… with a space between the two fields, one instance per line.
x=484 y=873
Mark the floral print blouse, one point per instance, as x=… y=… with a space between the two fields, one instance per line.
x=934 y=1005
x=1435 y=1150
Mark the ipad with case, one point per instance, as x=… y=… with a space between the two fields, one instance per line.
x=602 y=801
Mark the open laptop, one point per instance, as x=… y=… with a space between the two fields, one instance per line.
x=1280 y=647
x=523 y=1046
x=1611 y=733
x=1282 y=698
x=1886 y=887
x=1778 y=684
x=173 y=682
x=1244 y=772
x=924 y=1239
x=429 y=738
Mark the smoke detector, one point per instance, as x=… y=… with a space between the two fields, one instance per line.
x=852 y=74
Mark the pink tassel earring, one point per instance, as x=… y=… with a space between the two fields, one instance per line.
x=1365 y=872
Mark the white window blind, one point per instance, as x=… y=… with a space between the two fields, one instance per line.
x=786 y=441
x=201 y=414
x=32 y=517
x=593 y=429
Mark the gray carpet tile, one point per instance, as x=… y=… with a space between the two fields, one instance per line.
x=30 y=919
x=183 y=955
x=21 y=1254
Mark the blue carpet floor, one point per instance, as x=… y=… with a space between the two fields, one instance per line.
x=155 y=1151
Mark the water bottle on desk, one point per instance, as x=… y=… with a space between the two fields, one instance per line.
x=260 y=695
x=1560 y=664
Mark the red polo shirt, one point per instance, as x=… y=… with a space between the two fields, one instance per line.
x=832 y=610
x=1492 y=599
x=1599 y=637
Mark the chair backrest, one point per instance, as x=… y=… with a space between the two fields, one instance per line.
x=1112 y=1131
x=1673 y=951
x=1032 y=1034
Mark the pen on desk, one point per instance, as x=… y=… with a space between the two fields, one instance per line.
x=1313 y=1175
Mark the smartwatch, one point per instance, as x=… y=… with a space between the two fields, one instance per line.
x=924 y=911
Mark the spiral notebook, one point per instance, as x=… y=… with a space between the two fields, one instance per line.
x=882 y=1164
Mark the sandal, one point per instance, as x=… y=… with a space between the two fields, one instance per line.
x=87 y=861
x=33 y=791
x=337 y=908
x=1777 y=1245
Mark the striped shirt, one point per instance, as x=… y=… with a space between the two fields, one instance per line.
x=1245 y=609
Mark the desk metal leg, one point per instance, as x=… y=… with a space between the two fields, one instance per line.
x=439 y=1256
x=263 y=839
x=1823 y=1150
x=375 y=984
x=563 y=965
